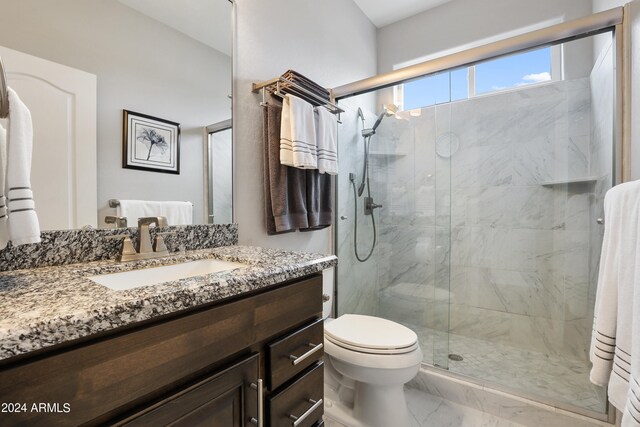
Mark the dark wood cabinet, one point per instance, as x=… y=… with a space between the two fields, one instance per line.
x=198 y=367
x=226 y=399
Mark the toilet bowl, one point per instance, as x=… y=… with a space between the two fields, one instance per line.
x=369 y=360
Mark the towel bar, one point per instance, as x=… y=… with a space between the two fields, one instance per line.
x=273 y=86
x=114 y=203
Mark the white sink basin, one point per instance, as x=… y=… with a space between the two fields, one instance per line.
x=152 y=276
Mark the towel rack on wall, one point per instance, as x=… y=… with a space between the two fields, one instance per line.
x=114 y=203
x=4 y=93
x=274 y=87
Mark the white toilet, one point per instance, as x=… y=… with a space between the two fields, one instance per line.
x=367 y=362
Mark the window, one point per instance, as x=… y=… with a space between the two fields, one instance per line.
x=509 y=72
x=513 y=71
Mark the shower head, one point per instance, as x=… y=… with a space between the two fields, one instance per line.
x=387 y=111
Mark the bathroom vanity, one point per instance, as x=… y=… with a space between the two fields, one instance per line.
x=234 y=348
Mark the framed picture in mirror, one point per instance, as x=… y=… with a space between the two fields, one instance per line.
x=150 y=143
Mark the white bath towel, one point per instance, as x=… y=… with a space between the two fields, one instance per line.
x=611 y=340
x=23 y=220
x=326 y=139
x=4 y=218
x=176 y=213
x=631 y=413
x=298 y=146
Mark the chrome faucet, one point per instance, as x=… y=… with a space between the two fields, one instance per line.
x=145 y=249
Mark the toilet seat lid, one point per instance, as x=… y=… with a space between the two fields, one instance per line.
x=370 y=333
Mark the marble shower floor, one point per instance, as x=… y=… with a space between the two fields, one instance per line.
x=555 y=378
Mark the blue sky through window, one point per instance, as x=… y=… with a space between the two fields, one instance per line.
x=513 y=71
x=502 y=73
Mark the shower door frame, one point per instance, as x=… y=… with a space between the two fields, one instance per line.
x=611 y=20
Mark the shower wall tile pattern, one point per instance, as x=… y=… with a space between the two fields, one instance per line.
x=518 y=246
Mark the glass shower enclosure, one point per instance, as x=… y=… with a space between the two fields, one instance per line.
x=488 y=240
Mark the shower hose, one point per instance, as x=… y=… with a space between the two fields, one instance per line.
x=355 y=208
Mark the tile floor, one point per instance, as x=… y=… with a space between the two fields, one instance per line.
x=428 y=410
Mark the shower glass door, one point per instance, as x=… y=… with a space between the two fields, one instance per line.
x=492 y=178
x=407 y=277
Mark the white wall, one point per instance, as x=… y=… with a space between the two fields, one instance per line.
x=142 y=65
x=329 y=41
x=463 y=22
x=601 y=5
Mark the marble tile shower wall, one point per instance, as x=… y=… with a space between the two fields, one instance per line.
x=357 y=282
x=519 y=250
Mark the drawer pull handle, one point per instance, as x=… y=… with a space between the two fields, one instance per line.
x=260 y=420
x=299 y=359
x=301 y=418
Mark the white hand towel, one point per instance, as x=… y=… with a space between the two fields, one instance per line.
x=298 y=146
x=23 y=220
x=176 y=213
x=4 y=218
x=326 y=139
x=611 y=340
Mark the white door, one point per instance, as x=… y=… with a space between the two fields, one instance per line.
x=62 y=101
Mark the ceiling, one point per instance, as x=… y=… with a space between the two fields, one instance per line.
x=208 y=21
x=385 y=12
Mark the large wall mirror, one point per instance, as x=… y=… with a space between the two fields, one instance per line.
x=79 y=64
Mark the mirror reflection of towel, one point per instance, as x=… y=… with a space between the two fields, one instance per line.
x=24 y=227
x=176 y=212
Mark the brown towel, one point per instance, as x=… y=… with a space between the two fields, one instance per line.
x=319 y=200
x=285 y=189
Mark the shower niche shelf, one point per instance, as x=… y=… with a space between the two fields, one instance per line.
x=382 y=154
x=569 y=181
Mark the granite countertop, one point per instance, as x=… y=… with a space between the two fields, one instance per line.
x=50 y=305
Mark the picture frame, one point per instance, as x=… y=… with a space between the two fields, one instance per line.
x=150 y=143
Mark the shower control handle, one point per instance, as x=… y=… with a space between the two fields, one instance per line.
x=370 y=205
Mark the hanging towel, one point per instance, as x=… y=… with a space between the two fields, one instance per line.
x=319 y=200
x=176 y=213
x=611 y=340
x=23 y=220
x=298 y=134
x=4 y=218
x=284 y=186
x=326 y=139
x=631 y=413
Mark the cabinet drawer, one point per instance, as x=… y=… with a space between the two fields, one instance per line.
x=293 y=353
x=301 y=403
